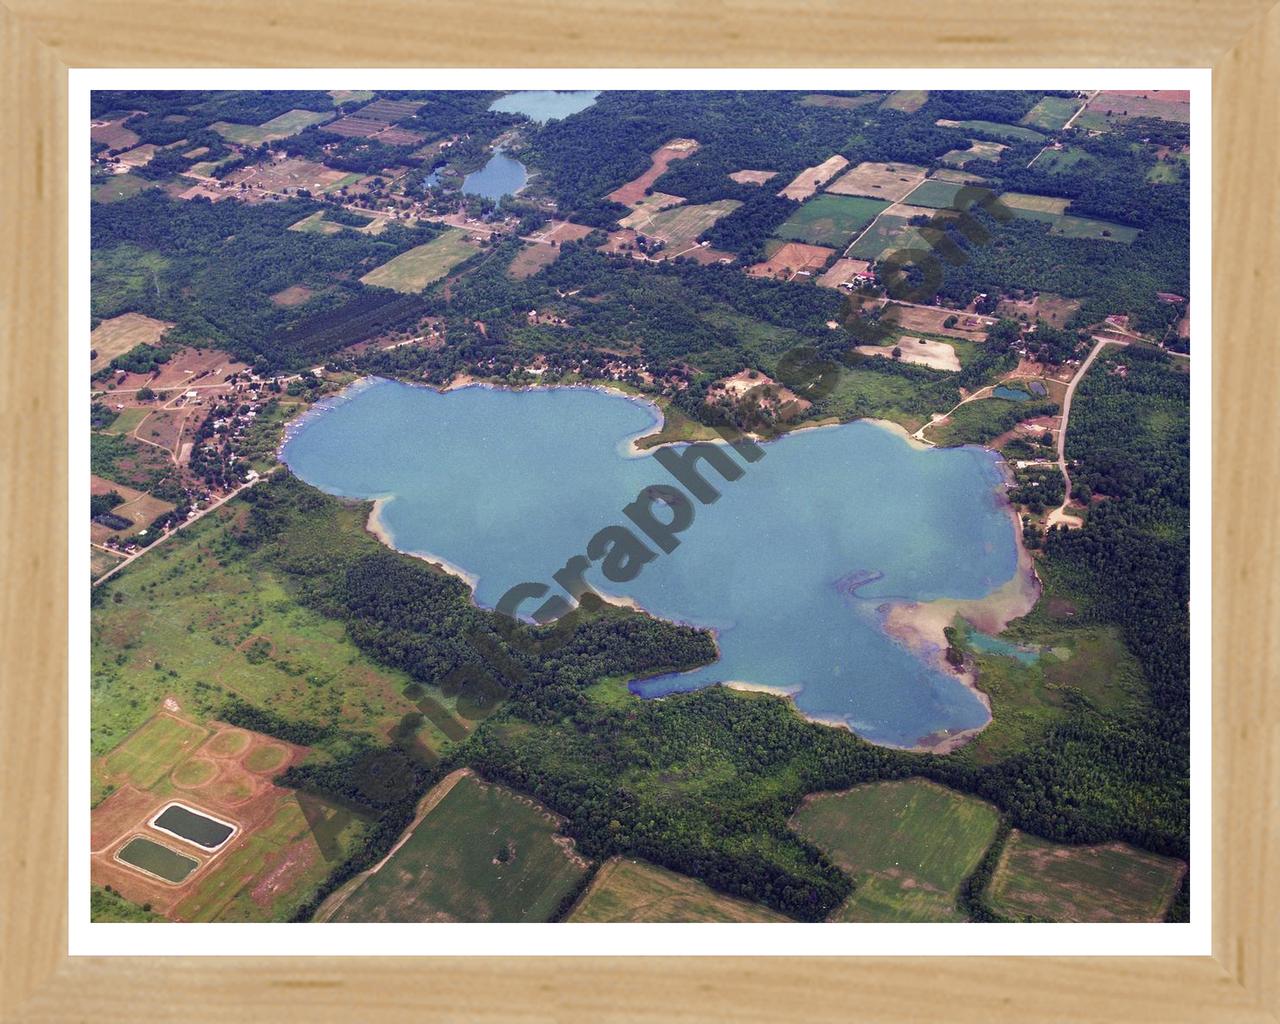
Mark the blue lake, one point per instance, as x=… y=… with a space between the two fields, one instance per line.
x=501 y=176
x=1011 y=394
x=507 y=485
x=543 y=105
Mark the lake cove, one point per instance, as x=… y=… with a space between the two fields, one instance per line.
x=827 y=568
x=501 y=176
x=543 y=105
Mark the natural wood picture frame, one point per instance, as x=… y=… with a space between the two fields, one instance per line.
x=42 y=39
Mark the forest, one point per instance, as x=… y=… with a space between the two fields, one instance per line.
x=217 y=265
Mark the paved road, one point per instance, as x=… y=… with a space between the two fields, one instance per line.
x=182 y=526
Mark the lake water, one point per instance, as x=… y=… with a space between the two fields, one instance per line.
x=501 y=176
x=789 y=566
x=543 y=105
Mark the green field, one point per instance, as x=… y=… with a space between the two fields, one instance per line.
x=679 y=226
x=908 y=846
x=146 y=756
x=1087 y=227
x=1007 y=132
x=122 y=278
x=1036 y=207
x=1080 y=662
x=158 y=860
x=315 y=224
x=935 y=194
x=289 y=123
x=1051 y=113
x=412 y=271
x=181 y=621
x=830 y=220
x=888 y=233
x=127 y=421
x=483 y=853
x=1042 y=881
x=1059 y=161
x=120 y=186
x=634 y=891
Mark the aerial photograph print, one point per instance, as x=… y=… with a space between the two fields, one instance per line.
x=659 y=506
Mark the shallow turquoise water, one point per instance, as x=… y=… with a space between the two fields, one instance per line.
x=543 y=105
x=501 y=176
x=507 y=485
x=994 y=645
x=1011 y=394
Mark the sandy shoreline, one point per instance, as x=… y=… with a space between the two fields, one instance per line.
x=378 y=528
x=919 y=626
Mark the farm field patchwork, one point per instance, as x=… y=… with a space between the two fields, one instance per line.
x=808 y=181
x=747 y=177
x=1044 y=881
x=412 y=271
x=1035 y=207
x=830 y=219
x=482 y=853
x=120 y=186
x=1112 y=106
x=626 y=890
x=289 y=123
x=194 y=804
x=890 y=232
x=878 y=180
x=908 y=846
x=678 y=228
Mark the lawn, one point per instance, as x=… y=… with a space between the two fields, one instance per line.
x=413 y=270
x=1051 y=113
x=634 y=891
x=908 y=846
x=830 y=220
x=482 y=854
x=1043 y=881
